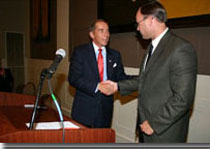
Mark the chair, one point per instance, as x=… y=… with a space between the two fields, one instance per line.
x=29 y=89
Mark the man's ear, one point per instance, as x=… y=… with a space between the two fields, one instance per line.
x=152 y=20
x=91 y=35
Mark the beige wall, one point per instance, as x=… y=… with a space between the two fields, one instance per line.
x=13 y=21
x=59 y=80
x=20 y=22
x=14 y=16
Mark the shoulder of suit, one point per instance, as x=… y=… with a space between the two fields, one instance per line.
x=178 y=39
x=112 y=51
x=82 y=46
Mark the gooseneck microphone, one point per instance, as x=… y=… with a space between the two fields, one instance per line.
x=60 y=54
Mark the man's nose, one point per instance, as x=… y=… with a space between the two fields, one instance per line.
x=107 y=34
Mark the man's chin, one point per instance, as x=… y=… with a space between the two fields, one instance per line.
x=104 y=44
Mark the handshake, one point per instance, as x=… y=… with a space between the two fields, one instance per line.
x=108 y=87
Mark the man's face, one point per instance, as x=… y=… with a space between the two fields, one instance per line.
x=142 y=25
x=100 y=35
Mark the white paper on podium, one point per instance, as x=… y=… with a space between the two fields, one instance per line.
x=53 y=125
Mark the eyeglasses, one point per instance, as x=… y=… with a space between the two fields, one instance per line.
x=137 y=23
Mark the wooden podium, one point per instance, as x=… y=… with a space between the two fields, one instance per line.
x=14 y=116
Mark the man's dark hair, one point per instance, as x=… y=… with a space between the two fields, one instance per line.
x=93 y=26
x=154 y=8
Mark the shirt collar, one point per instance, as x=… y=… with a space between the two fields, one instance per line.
x=157 y=40
x=96 y=47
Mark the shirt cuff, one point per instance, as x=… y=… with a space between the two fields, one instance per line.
x=96 y=90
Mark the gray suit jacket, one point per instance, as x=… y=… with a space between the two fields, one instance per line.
x=166 y=89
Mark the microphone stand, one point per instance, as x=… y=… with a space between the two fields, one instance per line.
x=44 y=73
x=39 y=90
x=56 y=104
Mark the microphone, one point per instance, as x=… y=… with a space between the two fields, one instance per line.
x=60 y=54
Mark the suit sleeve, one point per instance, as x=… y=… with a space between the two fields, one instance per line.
x=128 y=86
x=183 y=71
x=76 y=75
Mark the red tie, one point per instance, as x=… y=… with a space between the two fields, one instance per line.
x=100 y=64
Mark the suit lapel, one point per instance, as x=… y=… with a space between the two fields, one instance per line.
x=93 y=61
x=143 y=61
x=159 y=49
x=109 y=62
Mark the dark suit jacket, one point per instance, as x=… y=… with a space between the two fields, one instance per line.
x=84 y=76
x=166 y=89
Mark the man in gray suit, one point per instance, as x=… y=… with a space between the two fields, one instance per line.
x=166 y=82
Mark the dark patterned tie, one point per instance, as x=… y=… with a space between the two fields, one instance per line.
x=149 y=53
x=100 y=64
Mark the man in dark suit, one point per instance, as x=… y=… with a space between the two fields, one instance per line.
x=167 y=79
x=90 y=106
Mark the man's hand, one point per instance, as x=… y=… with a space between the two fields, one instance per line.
x=146 y=128
x=108 y=87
